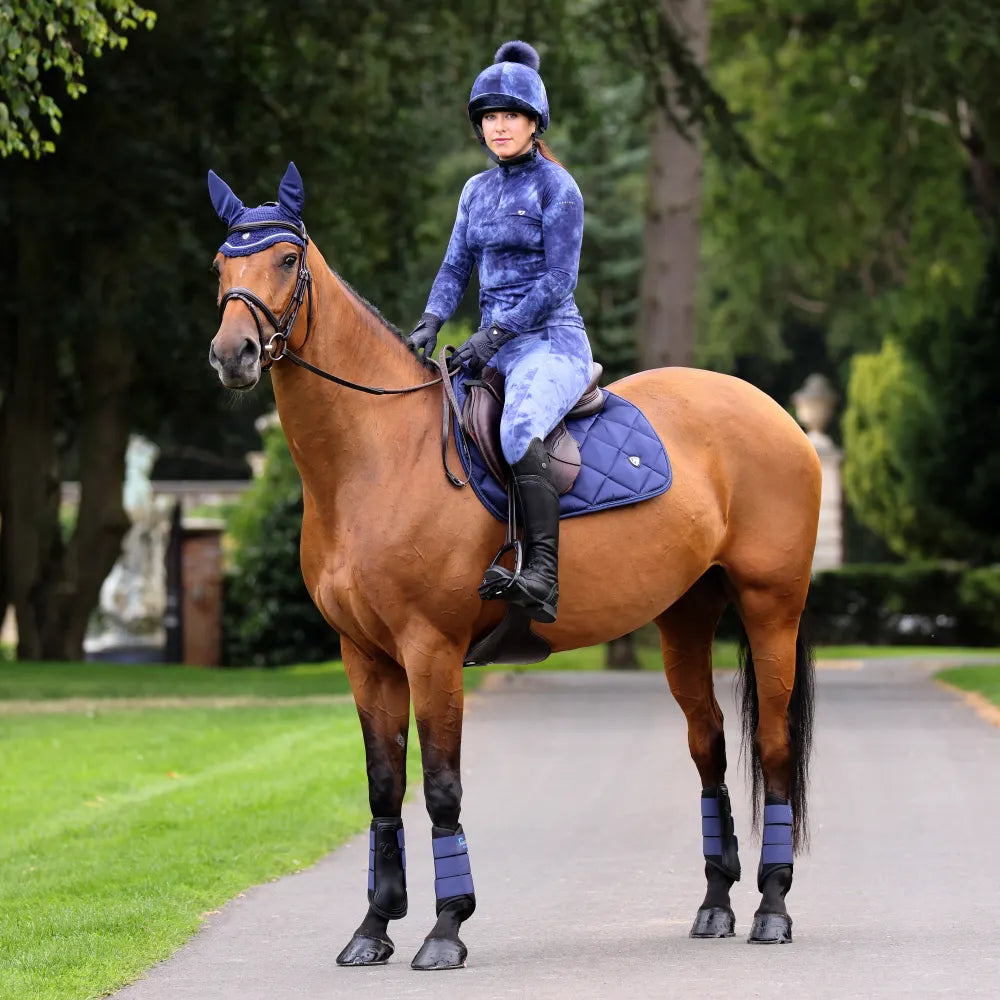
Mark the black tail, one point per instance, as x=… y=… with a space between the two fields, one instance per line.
x=800 y=731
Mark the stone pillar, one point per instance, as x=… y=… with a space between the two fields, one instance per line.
x=814 y=404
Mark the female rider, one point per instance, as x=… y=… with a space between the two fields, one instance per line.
x=521 y=225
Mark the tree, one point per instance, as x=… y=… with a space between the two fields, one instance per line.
x=920 y=469
x=42 y=39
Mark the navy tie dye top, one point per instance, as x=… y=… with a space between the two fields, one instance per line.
x=522 y=227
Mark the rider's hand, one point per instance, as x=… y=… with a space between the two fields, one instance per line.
x=424 y=336
x=479 y=350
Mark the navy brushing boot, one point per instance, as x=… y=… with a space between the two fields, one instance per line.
x=771 y=922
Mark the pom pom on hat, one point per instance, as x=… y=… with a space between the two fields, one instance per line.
x=518 y=52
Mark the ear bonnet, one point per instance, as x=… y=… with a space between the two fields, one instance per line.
x=511 y=83
x=249 y=229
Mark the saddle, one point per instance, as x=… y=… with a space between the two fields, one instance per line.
x=481 y=420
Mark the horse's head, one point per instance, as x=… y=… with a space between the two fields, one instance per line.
x=262 y=265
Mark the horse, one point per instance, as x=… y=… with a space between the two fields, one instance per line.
x=392 y=555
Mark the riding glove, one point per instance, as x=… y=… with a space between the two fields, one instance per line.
x=478 y=351
x=424 y=335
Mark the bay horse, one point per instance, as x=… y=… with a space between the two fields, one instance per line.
x=392 y=555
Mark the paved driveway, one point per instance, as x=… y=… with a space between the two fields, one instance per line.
x=581 y=809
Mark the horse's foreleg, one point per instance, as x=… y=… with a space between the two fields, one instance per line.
x=782 y=686
x=686 y=633
x=382 y=694
x=436 y=685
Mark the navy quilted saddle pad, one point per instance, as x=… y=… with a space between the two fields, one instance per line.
x=623 y=461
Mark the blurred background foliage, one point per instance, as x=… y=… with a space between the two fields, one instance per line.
x=848 y=223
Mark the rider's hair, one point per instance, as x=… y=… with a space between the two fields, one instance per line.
x=543 y=150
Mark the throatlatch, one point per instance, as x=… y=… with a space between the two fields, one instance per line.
x=452 y=868
x=387 y=868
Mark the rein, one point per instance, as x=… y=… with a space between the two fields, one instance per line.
x=275 y=347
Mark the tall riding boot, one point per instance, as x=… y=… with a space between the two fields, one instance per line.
x=536 y=588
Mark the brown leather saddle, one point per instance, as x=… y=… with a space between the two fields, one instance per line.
x=481 y=420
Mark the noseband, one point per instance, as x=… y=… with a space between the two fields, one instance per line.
x=274 y=346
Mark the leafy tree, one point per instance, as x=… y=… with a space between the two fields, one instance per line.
x=920 y=468
x=879 y=127
x=42 y=39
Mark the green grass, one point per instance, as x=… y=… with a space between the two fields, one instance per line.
x=984 y=680
x=122 y=680
x=40 y=681
x=120 y=829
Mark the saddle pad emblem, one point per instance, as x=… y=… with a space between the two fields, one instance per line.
x=635 y=460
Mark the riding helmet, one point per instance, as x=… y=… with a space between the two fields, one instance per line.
x=511 y=83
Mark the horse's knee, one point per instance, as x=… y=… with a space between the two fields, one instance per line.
x=443 y=797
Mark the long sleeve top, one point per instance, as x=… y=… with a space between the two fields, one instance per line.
x=522 y=226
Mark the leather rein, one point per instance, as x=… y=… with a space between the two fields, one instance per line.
x=275 y=347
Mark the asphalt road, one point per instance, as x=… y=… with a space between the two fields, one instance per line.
x=581 y=809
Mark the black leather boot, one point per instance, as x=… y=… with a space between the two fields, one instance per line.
x=536 y=588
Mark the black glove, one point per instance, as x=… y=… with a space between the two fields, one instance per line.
x=478 y=351
x=424 y=335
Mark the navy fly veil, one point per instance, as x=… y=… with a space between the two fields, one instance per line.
x=622 y=461
x=285 y=212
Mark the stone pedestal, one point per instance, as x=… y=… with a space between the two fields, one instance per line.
x=814 y=405
x=830 y=536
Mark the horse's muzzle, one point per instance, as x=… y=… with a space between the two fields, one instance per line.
x=238 y=364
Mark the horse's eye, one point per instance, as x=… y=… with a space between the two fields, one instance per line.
x=289 y=260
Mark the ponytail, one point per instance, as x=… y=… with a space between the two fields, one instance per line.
x=543 y=149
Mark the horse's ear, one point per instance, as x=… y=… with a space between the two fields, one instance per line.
x=226 y=203
x=291 y=194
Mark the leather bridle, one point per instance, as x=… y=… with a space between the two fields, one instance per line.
x=275 y=347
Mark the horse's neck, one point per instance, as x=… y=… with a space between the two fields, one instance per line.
x=344 y=441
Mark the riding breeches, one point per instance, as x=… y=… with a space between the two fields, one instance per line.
x=545 y=374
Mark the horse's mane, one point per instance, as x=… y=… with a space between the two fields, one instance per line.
x=373 y=309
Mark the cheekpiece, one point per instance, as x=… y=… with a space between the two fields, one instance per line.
x=248 y=229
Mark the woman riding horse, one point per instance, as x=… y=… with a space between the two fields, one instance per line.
x=521 y=225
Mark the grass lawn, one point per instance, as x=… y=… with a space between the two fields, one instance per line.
x=39 y=681
x=984 y=680
x=121 y=828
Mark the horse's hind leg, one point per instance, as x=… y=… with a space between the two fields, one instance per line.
x=777 y=714
x=686 y=633
x=382 y=694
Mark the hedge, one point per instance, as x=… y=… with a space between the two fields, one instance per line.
x=906 y=604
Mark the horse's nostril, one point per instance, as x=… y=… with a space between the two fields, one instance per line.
x=213 y=358
x=250 y=351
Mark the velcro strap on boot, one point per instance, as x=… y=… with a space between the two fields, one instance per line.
x=452 y=867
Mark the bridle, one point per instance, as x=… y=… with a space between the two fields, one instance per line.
x=275 y=347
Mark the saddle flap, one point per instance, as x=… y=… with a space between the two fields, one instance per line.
x=481 y=419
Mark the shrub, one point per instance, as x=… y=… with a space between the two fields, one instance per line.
x=906 y=603
x=269 y=617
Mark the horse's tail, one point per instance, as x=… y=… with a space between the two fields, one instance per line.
x=800 y=731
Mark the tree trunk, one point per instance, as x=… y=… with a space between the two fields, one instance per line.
x=621 y=655
x=54 y=586
x=671 y=236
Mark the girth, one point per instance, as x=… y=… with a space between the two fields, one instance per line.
x=481 y=420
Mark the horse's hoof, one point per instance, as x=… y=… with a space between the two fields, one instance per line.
x=714 y=922
x=363 y=950
x=771 y=928
x=440 y=953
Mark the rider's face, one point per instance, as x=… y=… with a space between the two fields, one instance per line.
x=508 y=133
